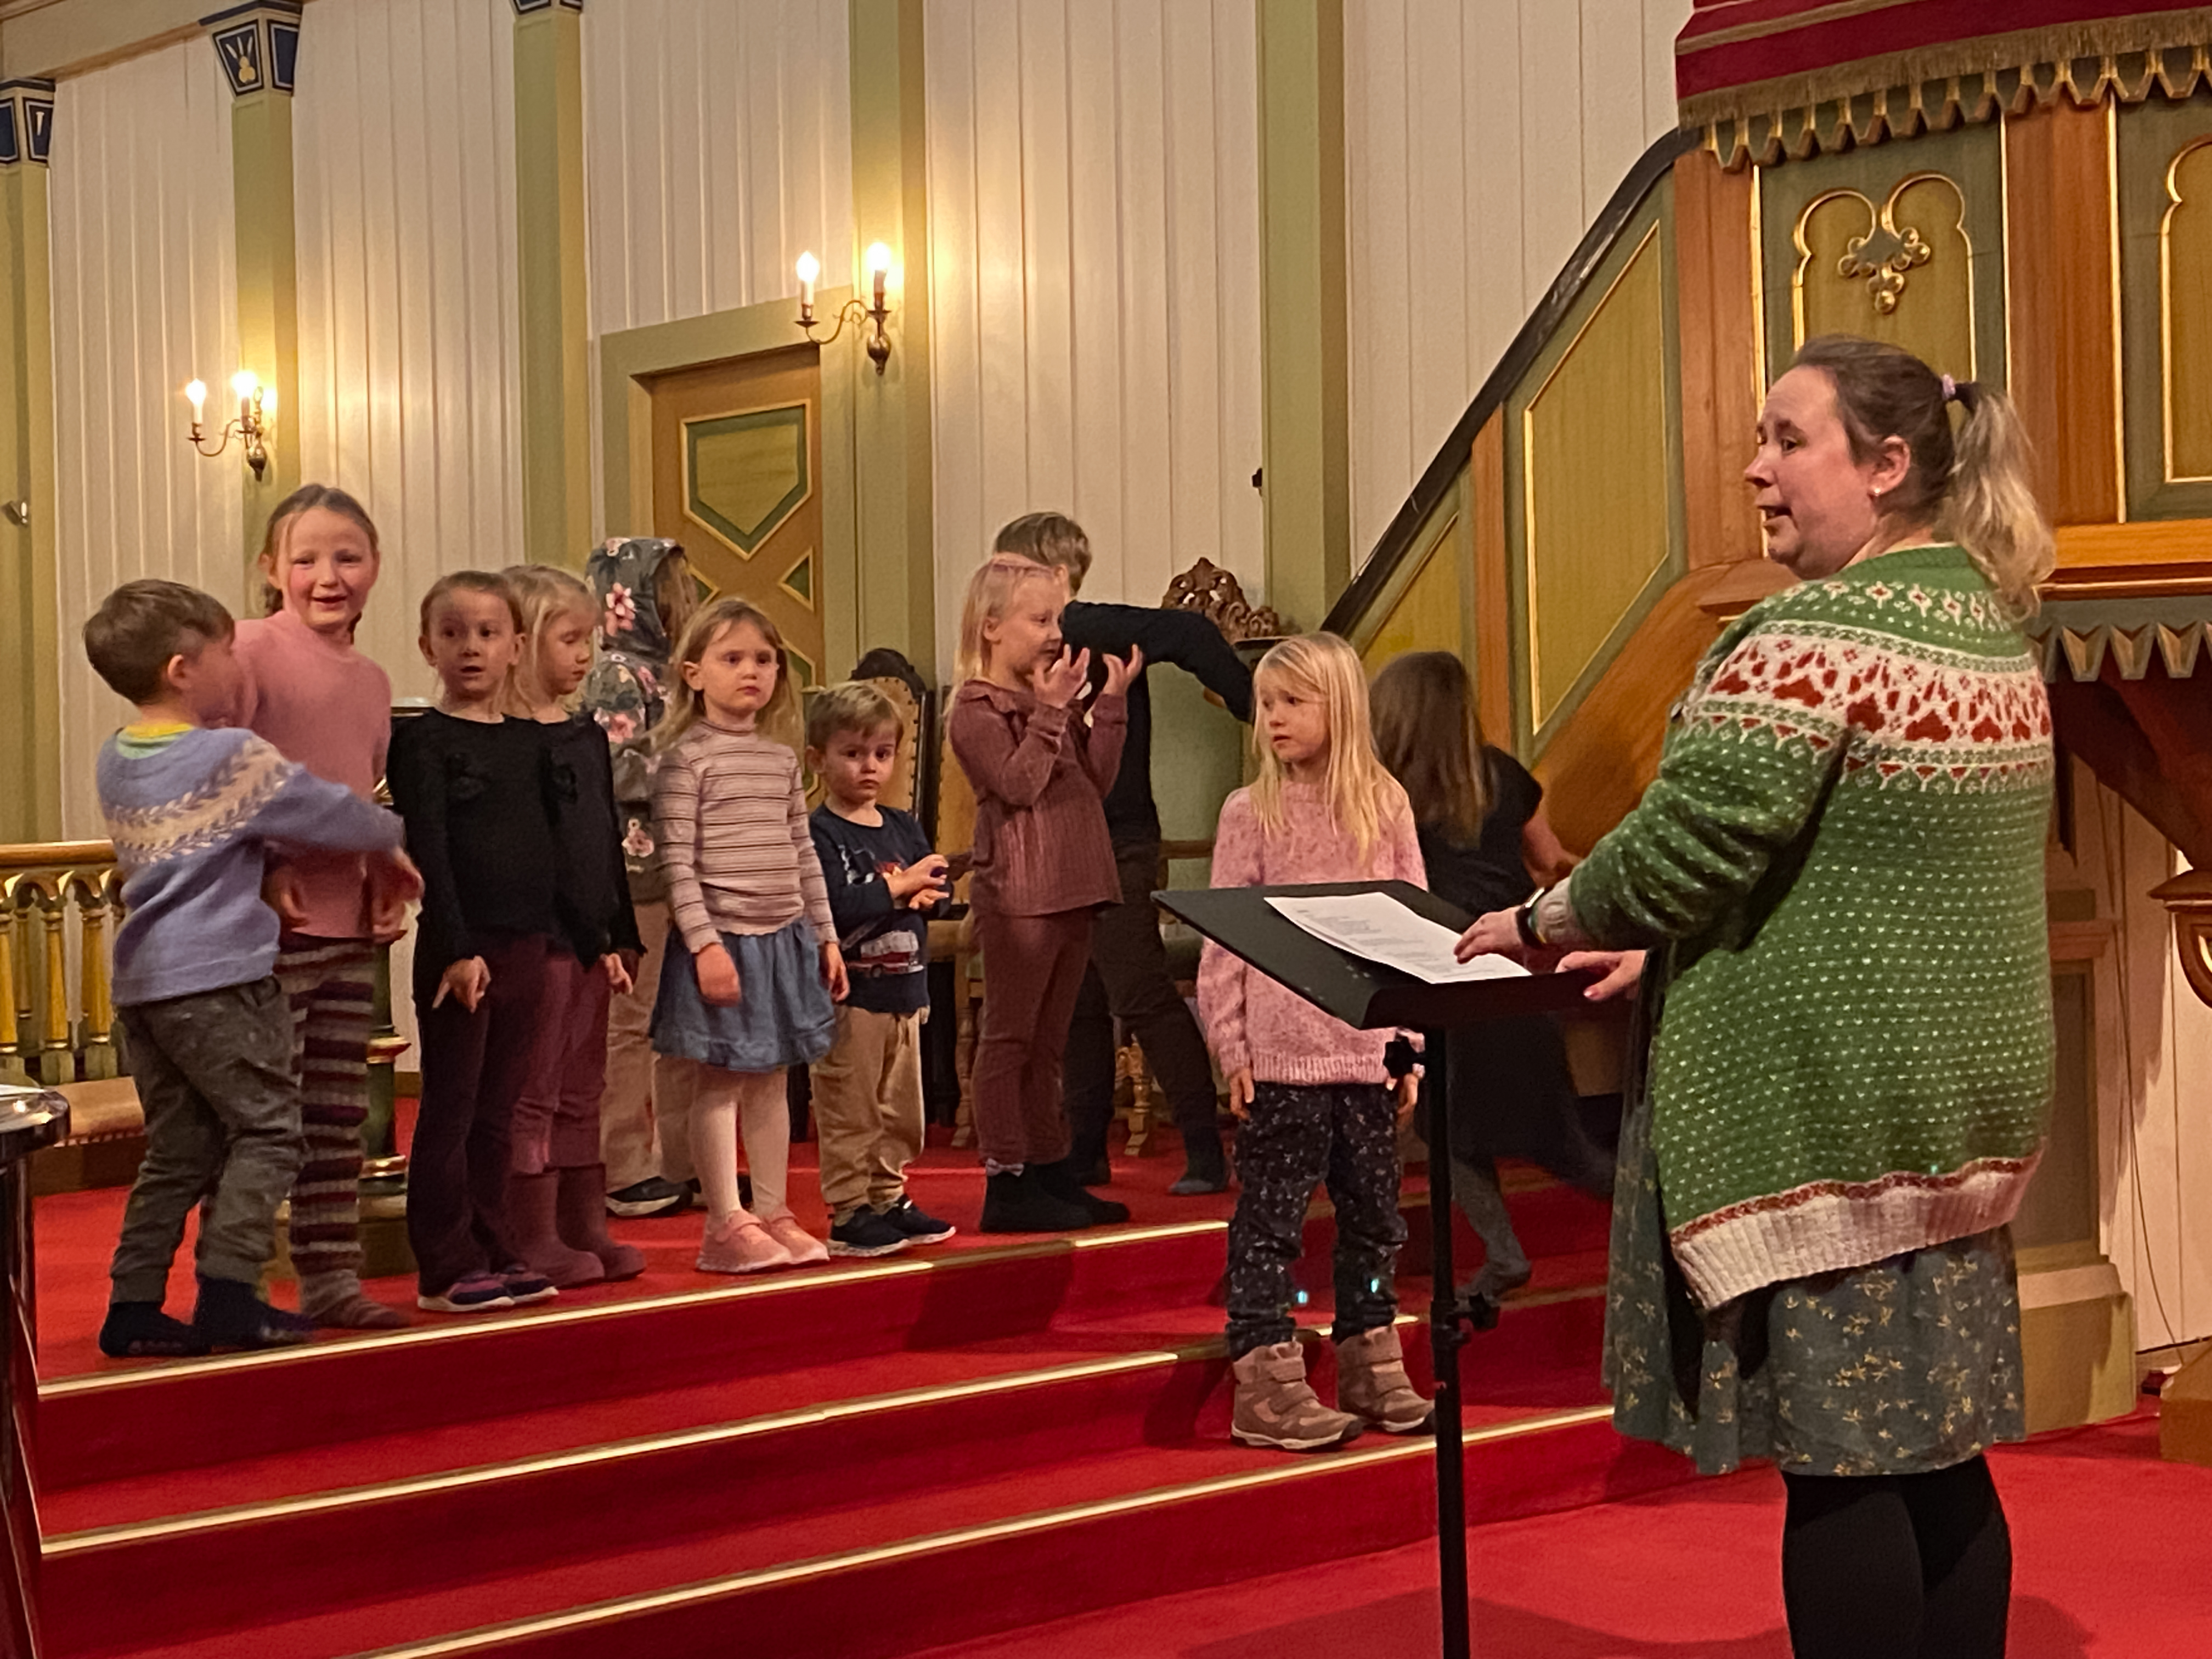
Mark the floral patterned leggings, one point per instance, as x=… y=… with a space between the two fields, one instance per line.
x=1299 y=1136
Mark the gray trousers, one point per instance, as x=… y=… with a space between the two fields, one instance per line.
x=214 y=1071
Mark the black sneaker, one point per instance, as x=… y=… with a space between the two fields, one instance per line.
x=917 y=1224
x=866 y=1233
x=643 y=1199
x=1062 y=1181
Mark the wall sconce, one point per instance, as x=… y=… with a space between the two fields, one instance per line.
x=257 y=414
x=878 y=343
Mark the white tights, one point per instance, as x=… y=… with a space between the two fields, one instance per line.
x=722 y=1102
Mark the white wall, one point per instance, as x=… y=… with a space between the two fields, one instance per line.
x=144 y=299
x=1095 y=282
x=2153 y=1041
x=718 y=148
x=410 y=367
x=1481 y=138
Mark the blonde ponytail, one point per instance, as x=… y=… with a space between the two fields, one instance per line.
x=1989 y=509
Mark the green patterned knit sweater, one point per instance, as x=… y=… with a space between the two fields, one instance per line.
x=1843 y=852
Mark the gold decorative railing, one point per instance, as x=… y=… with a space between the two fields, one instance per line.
x=60 y=904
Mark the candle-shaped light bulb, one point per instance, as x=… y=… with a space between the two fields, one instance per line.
x=243 y=383
x=196 y=395
x=809 y=269
x=880 y=267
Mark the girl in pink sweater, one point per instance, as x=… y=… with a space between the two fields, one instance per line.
x=1316 y=1099
x=325 y=706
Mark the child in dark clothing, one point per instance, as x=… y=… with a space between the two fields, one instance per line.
x=884 y=883
x=557 y=1188
x=471 y=786
x=1485 y=844
x=194 y=813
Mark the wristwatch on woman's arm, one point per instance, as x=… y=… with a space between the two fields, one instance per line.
x=1532 y=935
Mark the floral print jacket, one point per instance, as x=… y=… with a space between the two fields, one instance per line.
x=623 y=691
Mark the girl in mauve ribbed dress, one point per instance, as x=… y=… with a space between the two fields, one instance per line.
x=1044 y=865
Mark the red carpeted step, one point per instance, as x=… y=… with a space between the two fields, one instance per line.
x=992 y=1553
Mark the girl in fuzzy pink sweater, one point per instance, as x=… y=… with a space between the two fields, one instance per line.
x=1315 y=1098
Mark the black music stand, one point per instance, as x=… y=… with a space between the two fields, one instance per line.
x=1366 y=994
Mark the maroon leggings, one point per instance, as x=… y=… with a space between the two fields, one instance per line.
x=1032 y=968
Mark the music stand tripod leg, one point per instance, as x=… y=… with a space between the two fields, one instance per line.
x=1446 y=1339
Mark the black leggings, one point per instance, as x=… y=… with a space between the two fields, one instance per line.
x=1897 y=1566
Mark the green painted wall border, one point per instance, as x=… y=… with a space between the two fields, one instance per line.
x=629 y=358
x=2147 y=138
x=554 y=286
x=268 y=306
x=1304 y=360
x=30 y=559
x=1447 y=517
x=895 y=512
x=1972 y=157
x=1528 y=741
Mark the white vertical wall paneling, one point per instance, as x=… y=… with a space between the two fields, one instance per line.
x=2153 y=1045
x=718 y=148
x=144 y=299
x=1482 y=137
x=410 y=382
x=1094 y=230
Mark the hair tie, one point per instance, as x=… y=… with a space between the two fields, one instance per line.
x=1950 y=390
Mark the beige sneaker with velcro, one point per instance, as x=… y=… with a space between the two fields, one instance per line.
x=1275 y=1406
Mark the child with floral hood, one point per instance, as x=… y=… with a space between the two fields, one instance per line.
x=645 y=593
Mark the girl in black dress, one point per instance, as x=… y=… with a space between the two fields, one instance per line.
x=1486 y=846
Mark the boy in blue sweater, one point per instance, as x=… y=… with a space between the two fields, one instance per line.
x=194 y=812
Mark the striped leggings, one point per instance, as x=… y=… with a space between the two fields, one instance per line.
x=331 y=984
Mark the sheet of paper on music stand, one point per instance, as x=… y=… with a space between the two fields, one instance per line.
x=1376 y=927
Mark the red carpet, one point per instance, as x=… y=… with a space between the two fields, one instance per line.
x=2112 y=1559
x=872 y=1458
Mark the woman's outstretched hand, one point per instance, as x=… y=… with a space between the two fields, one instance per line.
x=1498 y=934
x=1119 y=671
x=1623 y=971
x=1058 y=682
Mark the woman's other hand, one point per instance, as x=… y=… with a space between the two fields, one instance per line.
x=1498 y=934
x=1623 y=971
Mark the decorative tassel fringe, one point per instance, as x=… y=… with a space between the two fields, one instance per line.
x=1937 y=88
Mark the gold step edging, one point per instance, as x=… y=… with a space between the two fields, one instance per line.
x=598 y=1613
x=506 y=1321
x=609 y=1451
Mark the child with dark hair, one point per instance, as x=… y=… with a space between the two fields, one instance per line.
x=194 y=811
x=884 y=883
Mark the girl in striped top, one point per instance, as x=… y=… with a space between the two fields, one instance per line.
x=751 y=992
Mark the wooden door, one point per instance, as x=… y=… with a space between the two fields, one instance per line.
x=737 y=478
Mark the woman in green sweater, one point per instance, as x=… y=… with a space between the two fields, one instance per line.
x=1838 y=876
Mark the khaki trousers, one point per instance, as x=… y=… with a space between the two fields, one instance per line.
x=643 y=1128
x=868 y=1109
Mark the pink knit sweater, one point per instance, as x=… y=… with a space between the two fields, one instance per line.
x=1251 y=1021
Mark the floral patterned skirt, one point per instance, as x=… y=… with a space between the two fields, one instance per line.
x=1909 y=1364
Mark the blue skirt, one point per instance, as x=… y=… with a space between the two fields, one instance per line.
x=783 y=1015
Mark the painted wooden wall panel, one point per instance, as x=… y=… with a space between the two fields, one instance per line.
x=2154 y=1049
x=718 y=148
x=1094 y=233
x=144 y=299
x=1481 y=139
x=410 y=377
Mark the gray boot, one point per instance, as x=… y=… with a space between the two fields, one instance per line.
x=1277 y=1407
